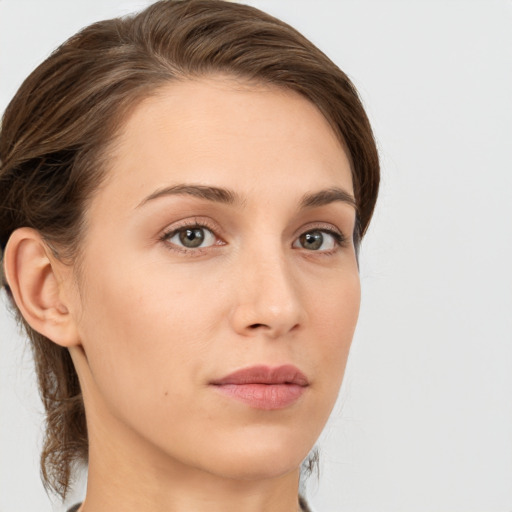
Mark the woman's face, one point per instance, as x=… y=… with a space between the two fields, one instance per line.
x=221 y=240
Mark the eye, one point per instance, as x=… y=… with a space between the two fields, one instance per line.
x=319 y=240
x=191 y=237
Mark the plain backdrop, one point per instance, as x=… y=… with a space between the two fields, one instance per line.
x=424 y=420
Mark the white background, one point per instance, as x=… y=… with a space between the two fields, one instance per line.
x=424 y=421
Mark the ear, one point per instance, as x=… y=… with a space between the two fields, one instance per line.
x=38 y=284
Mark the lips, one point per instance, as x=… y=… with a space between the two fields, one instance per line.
x=263 y=387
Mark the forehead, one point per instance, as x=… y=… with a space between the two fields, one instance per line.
x=222 y=132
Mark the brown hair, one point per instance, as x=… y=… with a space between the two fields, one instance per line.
x=57 y=129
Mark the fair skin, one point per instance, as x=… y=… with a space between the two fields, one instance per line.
x=151 y=323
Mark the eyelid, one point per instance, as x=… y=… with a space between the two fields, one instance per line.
x=199 y=222
x=204 y=222
x=322 y=226
x=338 y=237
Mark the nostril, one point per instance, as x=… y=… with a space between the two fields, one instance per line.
x=256 y=326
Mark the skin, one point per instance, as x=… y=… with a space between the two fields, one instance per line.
x=150 y=324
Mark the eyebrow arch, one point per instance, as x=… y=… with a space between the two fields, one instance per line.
x=327 y=196
x=216 y=194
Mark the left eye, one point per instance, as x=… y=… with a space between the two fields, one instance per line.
x=192 y=237
x=317 y=240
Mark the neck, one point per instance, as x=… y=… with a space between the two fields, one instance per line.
x=127 y=473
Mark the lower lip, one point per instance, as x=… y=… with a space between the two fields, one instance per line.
x=263 y=396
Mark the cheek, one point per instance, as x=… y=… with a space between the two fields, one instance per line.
x=145 y=334
x=335 y=312
x=336 y=307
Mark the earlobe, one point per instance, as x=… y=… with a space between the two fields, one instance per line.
x=37 y=287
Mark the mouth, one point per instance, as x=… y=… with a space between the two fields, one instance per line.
x=263 y=387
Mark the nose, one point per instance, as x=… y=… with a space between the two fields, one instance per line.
x=268 y=300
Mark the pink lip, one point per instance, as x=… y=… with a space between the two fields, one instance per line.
x=263 y=387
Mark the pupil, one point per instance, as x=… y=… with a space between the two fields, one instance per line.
x=312 y=240
x=192 y=237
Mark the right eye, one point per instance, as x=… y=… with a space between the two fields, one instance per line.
x=191 y=237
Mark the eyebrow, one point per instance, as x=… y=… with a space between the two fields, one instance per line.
x=327 y=196
x=226 y=196
x=215 y=194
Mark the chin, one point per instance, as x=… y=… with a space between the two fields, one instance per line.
x=260 y=460
x=258 y=468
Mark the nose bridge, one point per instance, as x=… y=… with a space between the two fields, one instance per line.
x=268 y=295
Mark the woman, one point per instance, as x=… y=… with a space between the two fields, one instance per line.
x=183 y=196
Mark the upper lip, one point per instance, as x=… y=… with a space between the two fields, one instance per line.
x=262 y=374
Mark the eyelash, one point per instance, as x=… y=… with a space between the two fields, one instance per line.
x=167 y=235
x=339 y=238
